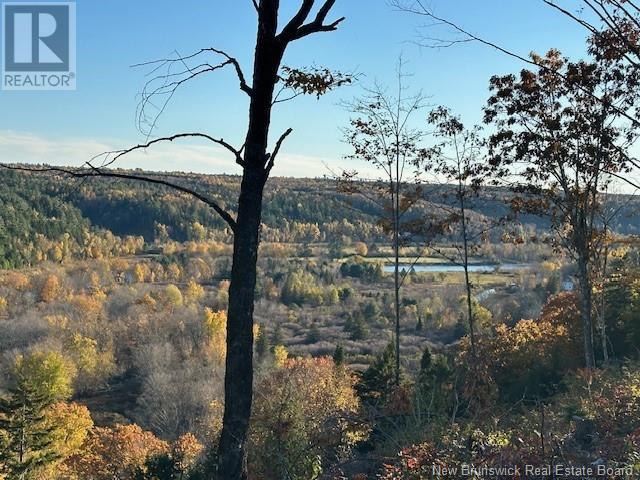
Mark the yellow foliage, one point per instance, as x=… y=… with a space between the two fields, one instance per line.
x=94 y=366
x=173 y=296
x=99 y=296
x=174 y=272
x=170 y=248
x=223 y=293
x=194 y=292
x=119 y=265
x=94 y=281
x=276 y=250
x=215 y=414
x=85 y=352
x=185 y=451
x=16 y=280
x=51 y=289
x=215 y=326
x=300 y=410
x=280 y=355
x=549 y=266
x=56 y=254
x=361 y=249
x=57 y=321
x=52 y=373
x=148 y=301
x=140 y=272
x=71 y=423
x=522 y=358
x=88 y=306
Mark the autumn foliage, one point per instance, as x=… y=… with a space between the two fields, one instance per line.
x=301 y=418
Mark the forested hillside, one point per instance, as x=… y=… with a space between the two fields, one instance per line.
x=42 y=210
x=117 y=292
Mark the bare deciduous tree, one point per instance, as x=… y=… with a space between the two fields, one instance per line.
x=256 y=161
x=458 y=160
x=382 y=135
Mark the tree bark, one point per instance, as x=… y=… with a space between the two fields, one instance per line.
x=232 y=462
x=396 y=278
x=603 y=302
x=585 y=310
x=467 y=281
x=232 y=452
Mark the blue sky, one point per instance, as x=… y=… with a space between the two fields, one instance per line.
x=70 y=127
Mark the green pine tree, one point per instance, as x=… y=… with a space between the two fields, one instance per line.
x=338 y=356
x=432 y=393
x=313 y=335
x=26 y=442
x=38 y=380
x=378 y=381
x=262 y=344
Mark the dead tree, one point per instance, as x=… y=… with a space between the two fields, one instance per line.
x=257 y=161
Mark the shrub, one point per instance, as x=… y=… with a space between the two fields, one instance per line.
x=300 y=419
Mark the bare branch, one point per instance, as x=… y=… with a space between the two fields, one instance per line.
x=272 y=157
x=219 y=141
x=315 y=26
x=165 y=85
x=566 y=12
x=420 y=9
x=96 y=172
x=298 y=19
x=244 y=86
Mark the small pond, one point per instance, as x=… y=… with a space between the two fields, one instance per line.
x=451 y=268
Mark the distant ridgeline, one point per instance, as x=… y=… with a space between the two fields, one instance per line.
x=46 y=216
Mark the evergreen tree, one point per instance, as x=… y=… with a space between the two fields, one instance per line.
x=425 y=361
x=432 y=394
x=378 y=381
x=338 y=356
x=25 y=440
x=313 y=335
x=356 y=327
x=262 y=344
x=38 y=381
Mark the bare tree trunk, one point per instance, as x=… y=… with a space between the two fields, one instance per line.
x=585 y=310
x=465 y=240
x=396 y=251
x=239 y=361
x=603 y=323
x=232 y=452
